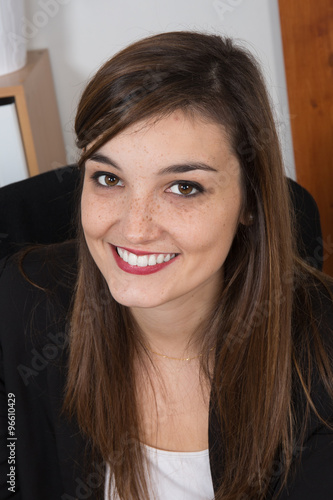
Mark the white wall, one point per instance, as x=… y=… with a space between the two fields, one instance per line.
x=81 y=34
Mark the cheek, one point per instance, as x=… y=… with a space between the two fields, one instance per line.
x=90 y=218
x=213 y=237
x=96 y=215
x=217 y=225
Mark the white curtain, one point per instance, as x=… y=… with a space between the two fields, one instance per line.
x=12 y=41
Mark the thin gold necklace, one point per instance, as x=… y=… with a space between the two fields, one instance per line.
x=176 y=359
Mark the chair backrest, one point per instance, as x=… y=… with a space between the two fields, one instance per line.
x=308 y=228
x=42 y=209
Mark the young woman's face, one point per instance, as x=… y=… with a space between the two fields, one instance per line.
x=160 y=206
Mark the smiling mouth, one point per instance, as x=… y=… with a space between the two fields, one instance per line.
x=144 y=260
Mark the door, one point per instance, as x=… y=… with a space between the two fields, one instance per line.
x=307 y=35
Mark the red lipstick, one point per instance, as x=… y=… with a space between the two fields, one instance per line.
x=139 y=252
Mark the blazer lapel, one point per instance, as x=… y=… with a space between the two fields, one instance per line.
x=70 y=444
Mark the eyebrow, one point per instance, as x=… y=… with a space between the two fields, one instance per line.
x=186 y=167
x=99 y=158
x=172 y=169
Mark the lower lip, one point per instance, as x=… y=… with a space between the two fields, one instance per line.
x=124 y=266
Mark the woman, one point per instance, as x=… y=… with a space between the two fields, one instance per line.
x=197 y=358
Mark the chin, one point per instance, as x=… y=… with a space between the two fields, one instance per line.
x=134 y=300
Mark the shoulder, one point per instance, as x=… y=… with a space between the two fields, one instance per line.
x=310 y=476
x=37 y=271
x=313 y=353
x=313 y=309
x=35 y=296
x=41 y=264
x=36 y=289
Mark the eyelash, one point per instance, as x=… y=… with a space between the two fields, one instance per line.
x=199 y=189
x=97 y=175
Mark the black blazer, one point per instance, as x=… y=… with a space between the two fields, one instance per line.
x=46 y=450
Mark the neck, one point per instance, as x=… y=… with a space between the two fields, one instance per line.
x=173 y=329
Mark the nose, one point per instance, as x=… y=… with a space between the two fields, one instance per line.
x=141 y=220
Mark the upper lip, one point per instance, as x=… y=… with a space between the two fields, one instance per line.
x=142 y=252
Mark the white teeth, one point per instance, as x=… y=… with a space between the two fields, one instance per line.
x=144 y=260
x=152 y=260
x=132 y=259
x=160 y=258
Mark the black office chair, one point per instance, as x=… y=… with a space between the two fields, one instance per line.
x=41 y=209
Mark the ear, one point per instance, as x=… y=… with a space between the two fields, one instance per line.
x=247 y=219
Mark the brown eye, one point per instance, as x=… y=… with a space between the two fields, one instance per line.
x=111 y=180
x=107 y=180
x=184 y=189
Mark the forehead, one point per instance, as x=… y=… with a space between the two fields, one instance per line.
x=177 y=136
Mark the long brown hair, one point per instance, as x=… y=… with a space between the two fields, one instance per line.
x=252 y=324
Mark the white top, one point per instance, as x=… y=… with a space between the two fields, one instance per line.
x=177 y=475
